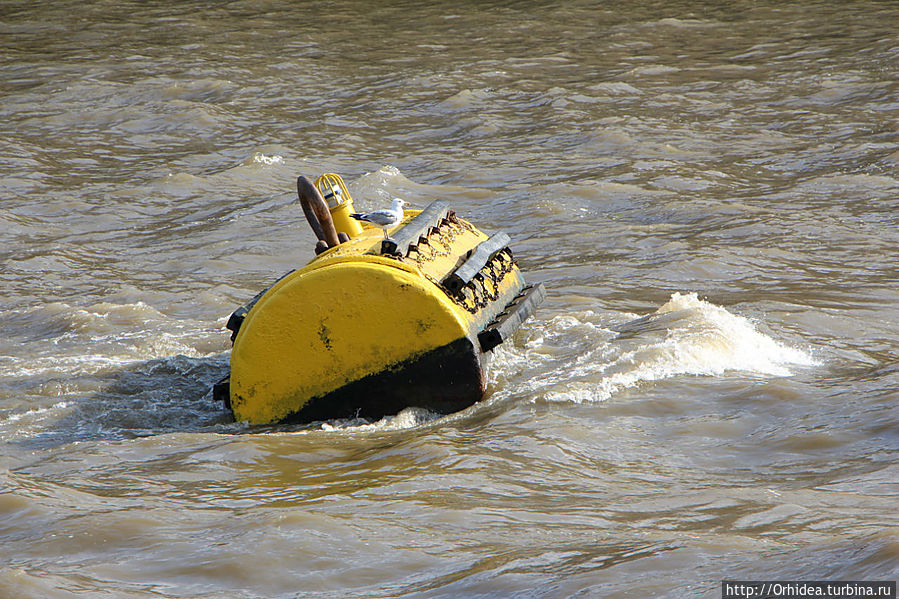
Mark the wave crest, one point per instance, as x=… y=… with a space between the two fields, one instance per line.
x=589 y=357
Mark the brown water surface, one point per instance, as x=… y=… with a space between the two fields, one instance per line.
x=707 y=190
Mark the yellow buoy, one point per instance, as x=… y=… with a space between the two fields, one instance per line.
x=372 y=326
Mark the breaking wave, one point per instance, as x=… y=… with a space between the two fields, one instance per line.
x=588 y=356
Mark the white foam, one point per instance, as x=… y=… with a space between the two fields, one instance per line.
x=35 y=412
x=580 y=358
x=407 y=418
x=260 y=158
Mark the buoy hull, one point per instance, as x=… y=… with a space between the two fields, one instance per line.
x=367 y=329
x=444 y=380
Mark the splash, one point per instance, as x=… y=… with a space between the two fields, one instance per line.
x=585 y=357
x=408 y=418
x=703 y=338
x=262 y=159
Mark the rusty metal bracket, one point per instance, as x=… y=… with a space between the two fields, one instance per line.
x=415 y=228
x=476 y=260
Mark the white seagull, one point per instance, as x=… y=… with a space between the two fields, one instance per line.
x=383 y=218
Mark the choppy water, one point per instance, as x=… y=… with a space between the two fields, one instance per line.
x=708 y=191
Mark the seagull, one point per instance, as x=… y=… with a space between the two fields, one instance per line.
x=383 y=218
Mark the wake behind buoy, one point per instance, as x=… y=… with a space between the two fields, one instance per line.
x=372 y=325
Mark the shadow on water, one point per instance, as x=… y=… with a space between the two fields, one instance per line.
x=152 y=397
x=174 y=395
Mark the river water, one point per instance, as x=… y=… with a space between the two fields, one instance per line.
x=708 y=190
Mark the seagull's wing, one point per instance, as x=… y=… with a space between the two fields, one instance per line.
x=380 y=217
